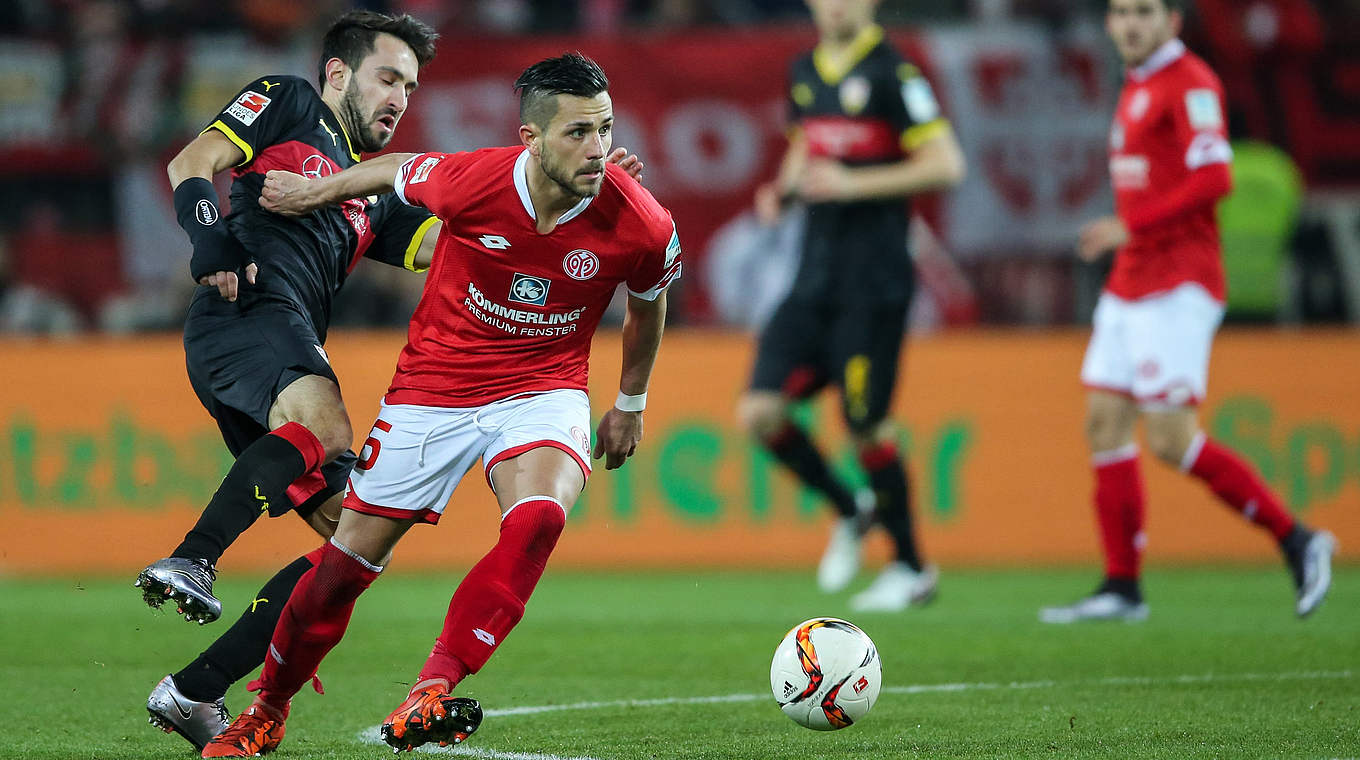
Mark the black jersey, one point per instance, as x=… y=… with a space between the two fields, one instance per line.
x=875 y=109
x=280 y=122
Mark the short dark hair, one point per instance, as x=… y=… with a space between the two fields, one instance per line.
x=1174 y=5
x=568 y=74
x=351 y=37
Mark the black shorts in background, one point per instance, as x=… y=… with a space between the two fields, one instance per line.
x=810 y=343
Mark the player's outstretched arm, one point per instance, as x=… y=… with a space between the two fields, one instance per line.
x=620 y=429
x=293 y=194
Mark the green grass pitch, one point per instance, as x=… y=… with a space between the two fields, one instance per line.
x=675 y=665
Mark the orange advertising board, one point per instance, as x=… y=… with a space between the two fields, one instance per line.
x=106 y=457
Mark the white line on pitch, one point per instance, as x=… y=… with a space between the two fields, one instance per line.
x=939 y=687
x=371 y=736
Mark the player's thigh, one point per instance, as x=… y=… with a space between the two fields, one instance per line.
x=542 y=471
x=371 y=537
x=792 y=351
x=1170 y=337
x=558 y=420
x=412 y=460
x=314 y=402
x=868 y=338
x=1107 y=365
x=1170 y=432
x=1110 y=419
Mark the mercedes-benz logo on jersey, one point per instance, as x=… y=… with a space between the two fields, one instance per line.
x=316 y=166
x=530 y=290
x=581 y=264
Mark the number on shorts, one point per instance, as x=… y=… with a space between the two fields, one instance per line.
x=372 y=445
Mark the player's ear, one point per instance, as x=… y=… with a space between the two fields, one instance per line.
x=528 y=137
x=337 y=74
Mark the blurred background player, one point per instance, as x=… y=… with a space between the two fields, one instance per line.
x=1148 y=356
x=536 y=239
x=867 y=133
x=254 y=349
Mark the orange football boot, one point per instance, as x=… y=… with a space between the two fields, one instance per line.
x=256 y=731
x=431 y=714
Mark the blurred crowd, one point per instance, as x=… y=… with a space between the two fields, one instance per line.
x=78 y=251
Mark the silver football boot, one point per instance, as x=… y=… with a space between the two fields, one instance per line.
x=187 y=582
x=172 y=712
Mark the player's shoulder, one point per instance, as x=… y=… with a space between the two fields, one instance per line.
x=282 y=85
x=1192 y=72
x=635 y=202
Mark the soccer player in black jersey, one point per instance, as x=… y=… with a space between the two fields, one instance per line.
x=256 y=327
x=867 y=133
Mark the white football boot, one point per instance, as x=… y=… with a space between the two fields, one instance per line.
x=896 y=588
x=843 y=552
x=1102 y=605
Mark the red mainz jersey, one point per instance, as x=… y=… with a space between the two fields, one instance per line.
x=506 y=309
x=1168 y=125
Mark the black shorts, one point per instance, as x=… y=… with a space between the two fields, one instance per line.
x=239 y=359
x=810 y=343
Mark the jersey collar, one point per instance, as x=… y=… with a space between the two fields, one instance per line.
x=833 y=69
x=521 y=173
x=1164 y=56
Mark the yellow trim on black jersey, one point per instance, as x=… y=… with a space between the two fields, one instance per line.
x=348 y=145
x=414 y=246
x=916 y=136
x=242 y=144
x=832 y=71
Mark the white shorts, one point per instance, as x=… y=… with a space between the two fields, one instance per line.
x=416 y=455
x=1155 y=349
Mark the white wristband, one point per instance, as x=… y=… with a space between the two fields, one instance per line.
x=626 y=403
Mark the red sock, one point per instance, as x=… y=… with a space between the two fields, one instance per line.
x=312 y=623
x=1119 y=510
x=490 y=600
x=1235 y=482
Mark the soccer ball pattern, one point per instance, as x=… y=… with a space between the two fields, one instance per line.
x=826 y=674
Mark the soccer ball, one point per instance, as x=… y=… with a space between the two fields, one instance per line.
x=826 y=674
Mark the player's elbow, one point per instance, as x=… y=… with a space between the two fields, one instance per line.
x=955 y=169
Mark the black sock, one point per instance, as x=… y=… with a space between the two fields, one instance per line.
x=239 y=651
x=795 y=450
x=259 y=477
x=1125 y=587
x=888 y=477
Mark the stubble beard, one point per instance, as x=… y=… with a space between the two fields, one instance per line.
x=351 y=111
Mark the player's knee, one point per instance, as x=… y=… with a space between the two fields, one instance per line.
x=1167 y=442
x=334 y=432
x=762 y=415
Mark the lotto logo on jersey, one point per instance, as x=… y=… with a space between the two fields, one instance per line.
x=247 y=107
x=530 y=290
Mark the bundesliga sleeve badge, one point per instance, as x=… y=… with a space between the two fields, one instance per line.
x=247 y=108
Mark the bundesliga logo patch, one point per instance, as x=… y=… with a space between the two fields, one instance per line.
x=529 y=290
x=248 y=107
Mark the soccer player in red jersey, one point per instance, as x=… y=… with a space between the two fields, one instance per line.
x=535 y=240
x=1154 y=323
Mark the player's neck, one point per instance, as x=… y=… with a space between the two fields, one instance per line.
x=550 y=200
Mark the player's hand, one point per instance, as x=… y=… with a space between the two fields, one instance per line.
x=228 y=284
x=769 y=204
x=824 y=180
x=627 y=162
x=1099 y=236
x=286 y=193
x=617 y=437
